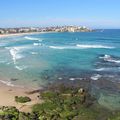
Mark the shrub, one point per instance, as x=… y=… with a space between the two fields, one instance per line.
x=48 y=95
x=44 y=106
x=22 y=99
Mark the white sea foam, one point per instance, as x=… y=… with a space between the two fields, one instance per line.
x=34 y=53
x=37 y=44
x=108 y=58
x=32 y=38
x=71 y=79
x=115 y=61
x=101 y=69
x=15 y=54
x=80 y=46
x=58 y=47
x=8 y=83
x=75 y=79
x=20 y=67
x=93 y=46
x=105 y=69
x=105 y=56
x=96 y=77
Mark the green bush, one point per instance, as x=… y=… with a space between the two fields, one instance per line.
x=22 y=99
x=9 y=113
x=48 y=95
x=115 y=116
x=47 y=106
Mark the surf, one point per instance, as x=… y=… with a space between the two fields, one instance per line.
x=93 y=46
x=32 y=38
x=109 y=58
x=82 y=46
x=8 y=83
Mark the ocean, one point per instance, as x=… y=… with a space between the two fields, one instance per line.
x=39 y=59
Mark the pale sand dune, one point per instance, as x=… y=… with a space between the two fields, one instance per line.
x=7 y=95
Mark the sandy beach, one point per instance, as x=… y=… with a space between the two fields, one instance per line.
x=18 y=34
x=21 y=34
x=8 y=93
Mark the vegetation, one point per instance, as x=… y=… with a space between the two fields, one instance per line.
x=22 y=99
x=67 y=104
x=115 y=116
x=61 y=104
x=11 y=113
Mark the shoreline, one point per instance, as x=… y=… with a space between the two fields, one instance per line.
x=95 y=87
x=22 y=34
x=8 y=94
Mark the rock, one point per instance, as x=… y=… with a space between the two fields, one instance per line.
x=81 y=90
x=33 y=92
x=13 y=79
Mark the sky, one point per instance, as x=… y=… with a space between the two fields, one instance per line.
x=38 y=13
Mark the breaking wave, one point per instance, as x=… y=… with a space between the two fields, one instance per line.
x=15 y=53
x=96 y=77
x=32 y=38
x=101 y=69
x=20 y=67
x=8 y=83
x=37 y=44
x=94 y=46
x=109 y=69
x=109 y=58
x=58 y=47
x=78 y=46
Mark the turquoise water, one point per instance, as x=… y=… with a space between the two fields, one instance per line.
x=28 y=57
x=39 y=59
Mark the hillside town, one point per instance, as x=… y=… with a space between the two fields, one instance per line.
x=45 y=29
